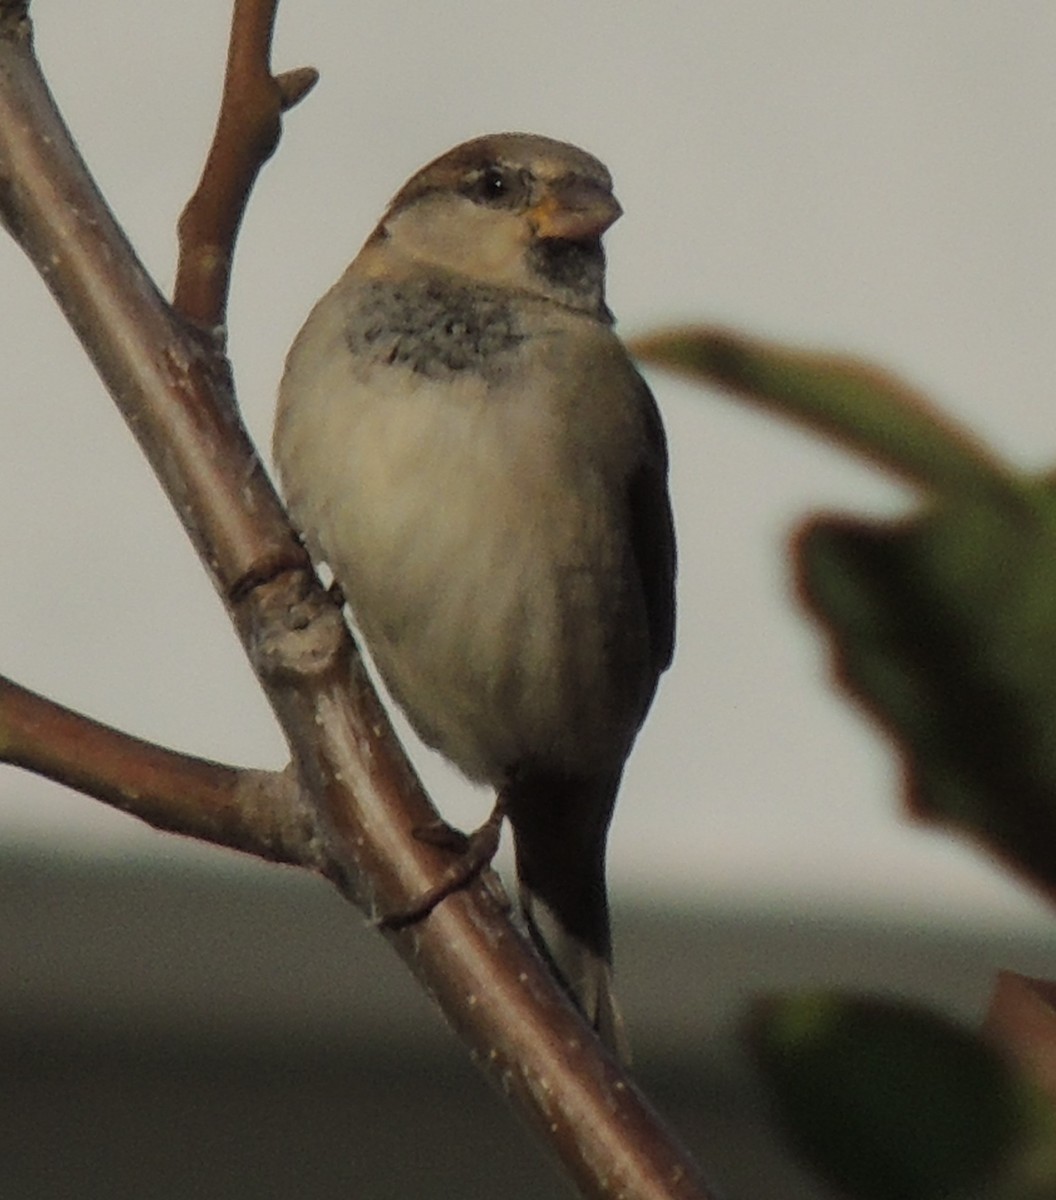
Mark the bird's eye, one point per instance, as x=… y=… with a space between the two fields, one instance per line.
x=496 y=186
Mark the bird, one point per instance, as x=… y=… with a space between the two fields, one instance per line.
x=463 y=439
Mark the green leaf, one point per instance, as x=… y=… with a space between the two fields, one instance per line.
x=852 y=402
x=891 y=1102
x=945 y=628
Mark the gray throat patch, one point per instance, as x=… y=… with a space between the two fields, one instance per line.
x=433 y=327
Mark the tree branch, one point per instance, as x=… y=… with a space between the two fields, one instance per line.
x=247 y=132
x=260 y=812
x=174 y=389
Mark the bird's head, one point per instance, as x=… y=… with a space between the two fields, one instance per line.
x=509 y=210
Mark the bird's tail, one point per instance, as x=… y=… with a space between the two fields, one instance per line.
x=560 y=826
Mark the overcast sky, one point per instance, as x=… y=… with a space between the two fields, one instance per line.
x=876 y=178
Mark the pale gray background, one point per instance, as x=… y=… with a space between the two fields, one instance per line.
x=871 y=177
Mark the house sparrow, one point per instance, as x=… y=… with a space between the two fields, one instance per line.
x=465 y=441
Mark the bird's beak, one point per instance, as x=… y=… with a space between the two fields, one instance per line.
x=574 y=210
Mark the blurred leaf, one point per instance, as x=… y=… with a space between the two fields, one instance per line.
x=891 y=1102
x=861 y=406
x=945 y=627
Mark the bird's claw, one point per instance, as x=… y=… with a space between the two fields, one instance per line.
x=475 y=852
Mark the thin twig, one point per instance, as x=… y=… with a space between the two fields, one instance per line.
x=247 y=133
x=260 y=812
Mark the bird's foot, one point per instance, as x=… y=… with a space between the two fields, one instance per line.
x=475 y=852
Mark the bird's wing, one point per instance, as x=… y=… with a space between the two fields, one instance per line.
x=653 y=534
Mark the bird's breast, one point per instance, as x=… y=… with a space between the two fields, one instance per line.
x=476 y=522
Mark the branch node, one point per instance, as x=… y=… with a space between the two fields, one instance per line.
x=305 y=637
x=293 y=559
x=295 y=85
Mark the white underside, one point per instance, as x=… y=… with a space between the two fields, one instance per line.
x=480 y=535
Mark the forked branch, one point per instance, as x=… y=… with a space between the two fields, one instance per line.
x=174 y=388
